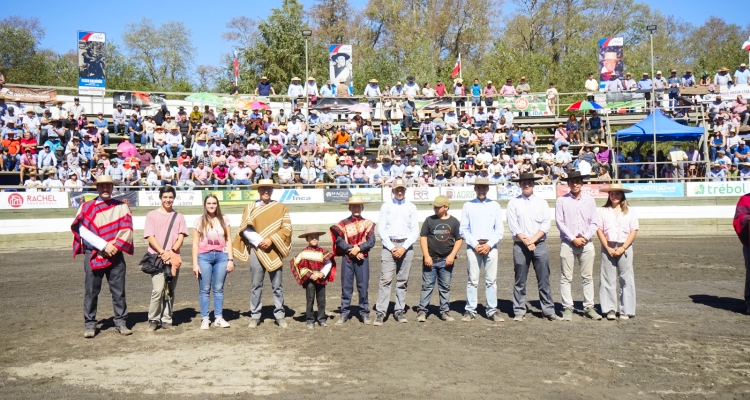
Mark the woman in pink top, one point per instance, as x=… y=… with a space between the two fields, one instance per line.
x=212 y=259
x=617 y=228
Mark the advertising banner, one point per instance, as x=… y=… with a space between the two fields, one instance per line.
x=141 y=99
x=298 y=196
x=336 y=104
x=534 y=104
x=415 y=194
x=336 y=195
x=184 y=198
x=610 y=59
x=341 y=64
x=369 y=195
x=27 y=95
x=233 y=197
x=464 y=193
x=29 y=200
x=507 y=192
x=625 y=99
x=731 y=92
x=592 y=190
x=428 y=105
x=655 y=190
x=717 y=189
x=91 y=63
x=129 y=198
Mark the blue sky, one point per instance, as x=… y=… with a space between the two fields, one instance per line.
x=207 y=19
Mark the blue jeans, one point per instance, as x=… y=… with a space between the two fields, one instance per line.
x=360 y=181
x=177 y=150
x=142 y=136
x=442 y=274
x=368 y=137
x=225 y=184
x=476 y=101
x=343 y=179
x=213 y=267
x=105 y=138
x=241 y=182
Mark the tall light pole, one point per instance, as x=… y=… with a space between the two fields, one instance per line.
x=651 y=29
x=307 y=33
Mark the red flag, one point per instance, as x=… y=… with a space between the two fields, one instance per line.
x=236 y=66
x=456 y=69
x=746 y=45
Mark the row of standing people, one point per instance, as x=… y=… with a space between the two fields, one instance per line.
x=103 y=232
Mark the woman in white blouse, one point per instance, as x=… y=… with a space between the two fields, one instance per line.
x=618 y=227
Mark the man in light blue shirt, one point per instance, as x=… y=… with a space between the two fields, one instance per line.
x=742 y=75
x=398 y=229
x=328 y=90
x=482 y=229
x=645 y=85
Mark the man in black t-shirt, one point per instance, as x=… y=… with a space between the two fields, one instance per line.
x=440 y=242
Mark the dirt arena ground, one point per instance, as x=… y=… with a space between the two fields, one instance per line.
x=689 y=340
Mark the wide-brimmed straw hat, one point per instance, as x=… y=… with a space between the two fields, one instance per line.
x=311 y=231
x=527 y=177
x=104 y=179
x=615 y=187
x=355 y=200
x=482 y=181
x=265 y=183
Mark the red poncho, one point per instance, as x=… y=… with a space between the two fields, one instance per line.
x=312 y=259
x=110 y=220
x=354 y=231
x=741 y=215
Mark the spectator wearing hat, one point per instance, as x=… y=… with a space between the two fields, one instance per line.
x=264 y=88
x=52 y=183
x=482 y=229
x=358 y=174
x=372 y=92
x=722 y=77
x=116 y=171
x=135 y=130
x=168 y=174
x=576 y=219
x=32 y=185
x=241 y=174
x=489 y=93
x=398 y=231
x=529 y=222
x=77 y=109
x=617 y=228
x=742 y=75
x=660 y=85
x=185 y=174
x=341 y=174
x=286 y=173
x=717 y=173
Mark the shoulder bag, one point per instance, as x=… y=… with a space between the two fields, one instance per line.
x=151 y=263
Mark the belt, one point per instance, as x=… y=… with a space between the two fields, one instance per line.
x=615 y=244
x=537 y=242
x=398 y=240
x=482 y=241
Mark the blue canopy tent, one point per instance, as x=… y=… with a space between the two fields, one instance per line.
x=662 y=127
x=657 y=127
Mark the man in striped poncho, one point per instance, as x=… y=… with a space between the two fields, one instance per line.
x=264 y=238
x=103 y=231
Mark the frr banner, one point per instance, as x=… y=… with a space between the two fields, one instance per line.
x=91 y=63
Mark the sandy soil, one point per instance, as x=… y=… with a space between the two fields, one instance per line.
x=689 y=340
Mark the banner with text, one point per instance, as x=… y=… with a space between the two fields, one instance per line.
x=369 y=195
x=129 y=198
x=507 y=192
x=717 y=189
x=298 y=196
x=534 y=104
x=415 y=194
x=184 y=198
x=336 y=104
x=91 y=63
x=144 y=100
x=464 y=193
x=29 y=200
x=593 y=190
x=625 y=99
x=655 y=190
x=233 y=197
x=28 y=95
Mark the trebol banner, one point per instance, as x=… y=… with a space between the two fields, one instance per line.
x=655 y=189
x=717 y=189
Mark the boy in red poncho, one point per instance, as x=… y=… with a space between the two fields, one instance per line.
x=313 y=268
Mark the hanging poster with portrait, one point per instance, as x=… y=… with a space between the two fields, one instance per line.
x=610 y=60
x=91 y=63
x=340 y=57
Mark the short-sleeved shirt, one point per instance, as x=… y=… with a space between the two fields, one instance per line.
x=441 y=235
x=157 y=224
x=213 y=238
x=264 y=89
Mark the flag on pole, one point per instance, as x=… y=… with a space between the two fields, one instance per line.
x=746 y=45
x=457 y=68
x=236 y=66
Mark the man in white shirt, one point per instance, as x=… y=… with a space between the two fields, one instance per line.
x=592 y=86
x=52 y=184
x=308 y=175
x=295 y=90
x=77 y=109
x=398 y=230
x=32 y=184
x=372 y=92
x=286 y=173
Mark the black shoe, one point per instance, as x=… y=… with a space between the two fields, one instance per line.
x=123 y=330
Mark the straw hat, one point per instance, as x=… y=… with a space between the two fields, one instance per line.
x=615 y=187
x=104 y=179
x=355 y=200
x=482 y=181
x=311 y=231
x=373 y=81
x=265 y=183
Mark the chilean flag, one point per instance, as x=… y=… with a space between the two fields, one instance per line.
x=746 y=45
x=236 y=65
x=457 y=68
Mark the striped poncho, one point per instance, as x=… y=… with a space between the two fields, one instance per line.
x=110 y=220
x=270 y=221
x=312 y=259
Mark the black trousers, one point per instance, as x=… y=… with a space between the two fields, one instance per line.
x=315 y=291
x=93 y=285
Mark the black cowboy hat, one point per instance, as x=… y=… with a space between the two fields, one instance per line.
x=335 y=55
x=575 y=175
x=527 y=177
